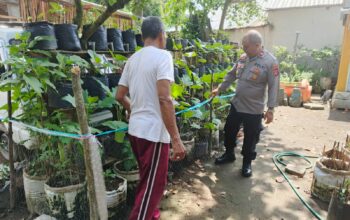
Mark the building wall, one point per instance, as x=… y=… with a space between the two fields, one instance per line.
x=319 y=27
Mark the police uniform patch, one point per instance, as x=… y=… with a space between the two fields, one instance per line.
x=275 y=69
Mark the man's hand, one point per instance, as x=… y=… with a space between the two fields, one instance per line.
x=215 y=92
x=179 y=151
x=268 y=117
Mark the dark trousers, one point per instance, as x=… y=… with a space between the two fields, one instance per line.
x=153 y=160
x=251 y=128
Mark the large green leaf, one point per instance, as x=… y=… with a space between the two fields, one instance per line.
x=115 y=124
x=176 y=91
x=34 y=83
x=70 y=99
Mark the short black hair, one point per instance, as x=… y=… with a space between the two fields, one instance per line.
x=151 y=27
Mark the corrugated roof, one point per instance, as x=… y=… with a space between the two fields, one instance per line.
x=284 y=4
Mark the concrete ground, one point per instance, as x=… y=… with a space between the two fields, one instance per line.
x=206 y=191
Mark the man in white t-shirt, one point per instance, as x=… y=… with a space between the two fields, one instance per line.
x=146 y=78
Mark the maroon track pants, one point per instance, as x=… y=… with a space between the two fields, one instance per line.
x=152 y=159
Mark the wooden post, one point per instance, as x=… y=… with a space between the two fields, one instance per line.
x=210 y=146
x=12 y=167
x=93 y=165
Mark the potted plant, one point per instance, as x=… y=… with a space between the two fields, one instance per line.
x=339 y=207
x=62 y=80
x=127 y=167
x=95 y=81
x=66 y=34
x=65 y=188
x=40 y=28
x=116 y=190
x=114 y=35
x=4 y=186
x=34 y=178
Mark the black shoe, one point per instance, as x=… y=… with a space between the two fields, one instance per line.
x=247 y=168
x=225 y=158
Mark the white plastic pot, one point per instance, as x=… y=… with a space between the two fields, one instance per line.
x=58 y=196
x=35 y=193
x=116 y=197
x=325 y=180
x=130 y=176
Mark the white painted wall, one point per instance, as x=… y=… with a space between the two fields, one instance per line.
x=319 y=27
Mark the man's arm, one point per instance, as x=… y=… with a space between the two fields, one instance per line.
x=122 y=97
x=168 y=115
x=228 y=80
x=273 y=86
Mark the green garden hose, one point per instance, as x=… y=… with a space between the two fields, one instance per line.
x=278 y=158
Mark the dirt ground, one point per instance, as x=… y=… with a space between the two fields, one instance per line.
x=204 y=191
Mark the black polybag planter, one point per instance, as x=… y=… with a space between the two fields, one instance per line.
x=113 y=80
x=99 y=37
x=129 y=38
x=184 y=43
x=94 y=88
x=169 y=44
x=182 y=72
x=139 y=40
x=42 y=29
x=115 y=36
x=67 y=37
x=55 y=98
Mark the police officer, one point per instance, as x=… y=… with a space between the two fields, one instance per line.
x=254 y=71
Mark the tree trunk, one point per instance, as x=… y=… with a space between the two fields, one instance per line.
x=78 y=20
x=93 y=165
x=224 y=13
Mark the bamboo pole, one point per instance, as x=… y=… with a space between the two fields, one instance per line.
x=95 y=181
x=11 y=161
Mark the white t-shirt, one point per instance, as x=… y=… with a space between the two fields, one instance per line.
x=140 y=75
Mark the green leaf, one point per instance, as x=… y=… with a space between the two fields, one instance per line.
x=119 y=57
x=201 y=60
x=70 y=99
x=206 y=78
x=92 y=99
x=176 y=91
x=207 y=94
x=34 y=83
x=15 y=106
x=190 y=54
x=209 y=125
x=104 y=87
x=107 y=102
x=216 y=100
x=43 y=52
x=186 y=80
x=119 y=137
x=115 y=124
x=197 y=87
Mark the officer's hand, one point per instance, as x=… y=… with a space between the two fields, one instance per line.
x=215 y=92
x=179 y=151
x=268 y=117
